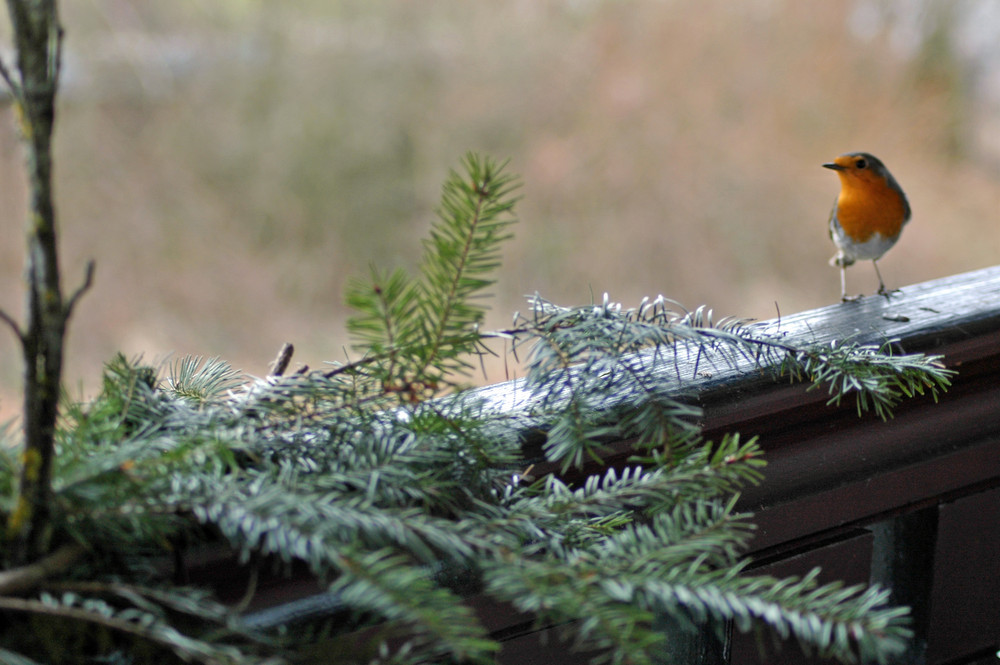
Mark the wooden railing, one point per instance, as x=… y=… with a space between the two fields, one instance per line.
x=912 y=503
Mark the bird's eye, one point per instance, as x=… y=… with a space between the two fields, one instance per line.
x=861 y=163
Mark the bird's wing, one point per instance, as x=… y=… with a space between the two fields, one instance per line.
x=832 y=222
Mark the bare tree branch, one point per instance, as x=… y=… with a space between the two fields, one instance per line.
x=14 y=325
x=88 y=280
x=15 y=88
x=280 y=363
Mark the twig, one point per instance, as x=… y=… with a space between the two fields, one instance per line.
x=280 y=363
x=25 y=578
x=15 y=88
x=351 y=366
x=88 y=280
x=9 y=320
x=251 y=590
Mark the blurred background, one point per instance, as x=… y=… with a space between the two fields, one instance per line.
x=230 y=164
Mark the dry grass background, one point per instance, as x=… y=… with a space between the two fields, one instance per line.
x=230 y=164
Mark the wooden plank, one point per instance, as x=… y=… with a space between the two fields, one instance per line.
x=847 y=560
x=830 y=471
x=923 y=316
x=836 y=468
x=964 y=603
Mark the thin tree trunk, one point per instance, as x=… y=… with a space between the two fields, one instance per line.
x=38 y=41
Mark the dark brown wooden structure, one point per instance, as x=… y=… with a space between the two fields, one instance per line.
x=912 y=503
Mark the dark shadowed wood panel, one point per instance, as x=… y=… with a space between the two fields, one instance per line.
x=965 y=602
x=847 y=560
x=540 y=647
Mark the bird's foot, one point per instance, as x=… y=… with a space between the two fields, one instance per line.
x=846 y=298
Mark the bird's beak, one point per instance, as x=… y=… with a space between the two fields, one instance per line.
x=833 y=165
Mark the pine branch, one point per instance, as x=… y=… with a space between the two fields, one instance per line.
x=462 y=252
x=604 y=355
x=200 y=380
x=416 y=333
x=617 y=594
x=438 y=622
x=387 y=314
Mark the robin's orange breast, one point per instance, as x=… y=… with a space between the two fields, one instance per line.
x=865 y=208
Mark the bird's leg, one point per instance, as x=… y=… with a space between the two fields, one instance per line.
x=841 y=261
x=843 y=285
x=882 y=291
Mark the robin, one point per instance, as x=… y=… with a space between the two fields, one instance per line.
x=867 y=216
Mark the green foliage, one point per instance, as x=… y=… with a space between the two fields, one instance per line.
x=420 y=332
x=440 y=626
x=403 y=503
x=199 y=380
x=879 y=379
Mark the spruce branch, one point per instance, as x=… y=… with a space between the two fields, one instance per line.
x=432 y=617
x=461 y=254
x=879 y=378
x=622 y=590
x=419 y=332
x=547 y=510
x=270 y=516
x=386 y=323
x=604 y=354
x=201 y=380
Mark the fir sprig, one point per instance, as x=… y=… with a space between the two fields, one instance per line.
x=438 y=624
x=417 y=334
x=200 y=379
x=593 y=359
x=683 y=565
x=460 y=259
x=879 y=378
